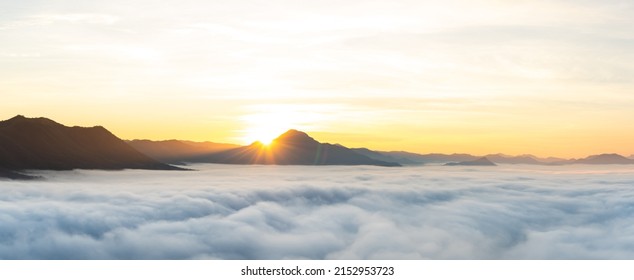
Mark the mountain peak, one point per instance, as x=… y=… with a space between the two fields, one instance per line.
x=294 y=147
x=20 y=119
x=605 y=159
x=295 y=136
x=293 y=133
x=41 y=143
x=607 y=156
x=483 y=161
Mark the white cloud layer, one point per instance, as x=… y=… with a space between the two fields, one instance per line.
x=267 y=212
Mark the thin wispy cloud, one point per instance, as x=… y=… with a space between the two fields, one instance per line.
x=50 y=19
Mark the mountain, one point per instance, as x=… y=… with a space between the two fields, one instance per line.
x=506 y=159
x=631 y=157
x=178 y=151
x=40 y=143
x=604 y=159
x=407 y=158
x=552 y=160
x=478 y=162
x=293 y=148
x=386 y=156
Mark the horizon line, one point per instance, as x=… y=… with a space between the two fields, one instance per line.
x=351 y=147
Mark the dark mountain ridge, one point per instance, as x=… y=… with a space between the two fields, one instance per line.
x=40 y=143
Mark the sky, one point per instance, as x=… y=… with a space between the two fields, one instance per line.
x=327 y=212
x=550 y=78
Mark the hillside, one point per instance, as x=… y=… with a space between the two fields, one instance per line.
x=40 y=143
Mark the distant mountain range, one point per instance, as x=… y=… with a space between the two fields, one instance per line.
x=407 y=158
x=478 y=162
x=603 y=159
x=40 y=143
x=178 y=151
x=293 y=148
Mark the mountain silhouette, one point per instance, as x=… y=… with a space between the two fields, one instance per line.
x=386 y=156
x=478 y=162
x=433 y=158
x=604 y=159
x=522 y=159
x=293 y=148
x=178 y=151
x=40 y=143
x=408 y=158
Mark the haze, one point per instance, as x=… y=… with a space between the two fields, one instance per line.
x=550 y=78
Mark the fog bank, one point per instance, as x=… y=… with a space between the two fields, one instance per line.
x=329 y=212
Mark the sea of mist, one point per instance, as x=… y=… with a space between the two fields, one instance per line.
x=326 y=212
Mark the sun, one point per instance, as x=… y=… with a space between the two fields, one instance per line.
x=265 y=122
x=264 y=128
x=263 y=135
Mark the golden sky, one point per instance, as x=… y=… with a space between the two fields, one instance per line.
x=544 y=77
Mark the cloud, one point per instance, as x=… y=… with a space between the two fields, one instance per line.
x=290 y=212
x=50 y=19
